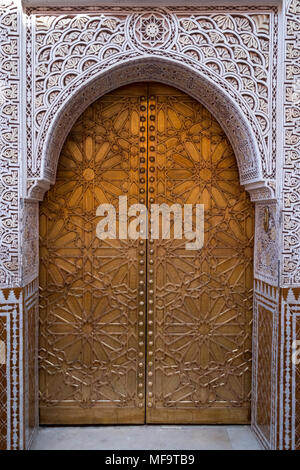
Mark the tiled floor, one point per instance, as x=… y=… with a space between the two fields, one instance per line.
x=146 y=437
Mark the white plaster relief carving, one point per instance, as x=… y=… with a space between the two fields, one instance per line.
x=217 y=102
x=31 y=320
x=267 y=297
x=289 y=387
x=291 y=174
x=11 y=305
x=9 y=142
x=267 y=243
x=236 y=51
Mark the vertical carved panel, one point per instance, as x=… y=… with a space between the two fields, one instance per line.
x=291 y=148
x=265 y=325
x=236 y=48
x=31 y=312
x=289 y=436
x=202 y=298
x=266 y=359
x=11 y=156
x=11 y=378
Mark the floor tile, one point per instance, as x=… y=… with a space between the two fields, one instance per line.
x=145 y=437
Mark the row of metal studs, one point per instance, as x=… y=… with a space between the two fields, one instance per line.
x=142 y=253
x=151 y=190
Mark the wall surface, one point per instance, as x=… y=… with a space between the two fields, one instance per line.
x=241 y=62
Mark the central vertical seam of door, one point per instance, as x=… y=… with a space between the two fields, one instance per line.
x=146 y=254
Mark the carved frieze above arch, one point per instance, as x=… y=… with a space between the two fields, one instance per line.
x=228 y=61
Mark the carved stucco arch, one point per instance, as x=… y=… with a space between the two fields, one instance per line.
x=244 y=136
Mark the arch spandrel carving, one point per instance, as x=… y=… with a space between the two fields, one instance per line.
x=227 y=58
x=169 y=72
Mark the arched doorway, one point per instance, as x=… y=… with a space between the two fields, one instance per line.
x=135 y=330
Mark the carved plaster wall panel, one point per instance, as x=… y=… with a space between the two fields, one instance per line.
x=291 y=173
x=31 y=312
x=289 y=422
x=9 y=141
x=30 y=243
x=267 y=245
x=275 y=389
x=151 y=69
x=18 y=366
x=235 y=51
x=11 y=382
x=265 y=360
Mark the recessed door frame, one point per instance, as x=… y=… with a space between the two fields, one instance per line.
x=212 y=96
x=143 y=104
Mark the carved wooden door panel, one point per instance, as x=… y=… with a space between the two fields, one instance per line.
x=91 y=337
x=145 y=330
x=199 y=338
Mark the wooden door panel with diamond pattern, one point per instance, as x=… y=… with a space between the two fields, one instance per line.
x=151 y=143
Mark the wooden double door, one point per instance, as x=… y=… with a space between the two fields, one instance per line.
x=135 y=331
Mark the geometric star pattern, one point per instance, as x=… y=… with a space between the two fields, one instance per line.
x=88 y=322
x=151 y=143
x=203 y=298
